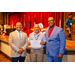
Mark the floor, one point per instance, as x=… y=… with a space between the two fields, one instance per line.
x=3 y=58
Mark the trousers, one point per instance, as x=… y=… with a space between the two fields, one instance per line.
x=37 y=55
x=16 y=59
x=53 y=58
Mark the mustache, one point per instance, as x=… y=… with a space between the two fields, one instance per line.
x=50 y=23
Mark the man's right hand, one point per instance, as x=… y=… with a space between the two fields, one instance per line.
x=20 y=51
x=29 y=43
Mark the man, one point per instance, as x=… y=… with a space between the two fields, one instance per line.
x=55 y=42
x=18 y=43
x=37 y=53
x=68 y=23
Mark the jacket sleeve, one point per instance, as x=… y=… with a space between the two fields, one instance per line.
x=25 y=45
x=12 y=45
x=66 y=21
x=29 y=38
x=62 y=41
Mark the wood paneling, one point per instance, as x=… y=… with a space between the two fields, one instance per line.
x=66 y=14
x=1 y=18
x=4 y=57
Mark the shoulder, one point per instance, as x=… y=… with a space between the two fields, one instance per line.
x=67 y=18
x=41 y=33
x=31 y=34
x=47 y=28
x=12 y=33
x=24 y=33
x=59 y=29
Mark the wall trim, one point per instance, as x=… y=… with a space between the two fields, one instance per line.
x=6 y=55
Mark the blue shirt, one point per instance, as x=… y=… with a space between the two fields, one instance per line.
x=40 y=36
x=67 y=22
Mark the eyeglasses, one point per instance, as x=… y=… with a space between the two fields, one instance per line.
x=50 y=20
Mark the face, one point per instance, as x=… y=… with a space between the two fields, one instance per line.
x=18 y=26
x=70 y=16
x=36 y=28
x=51 y=21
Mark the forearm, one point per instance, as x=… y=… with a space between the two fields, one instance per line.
x=25 y=46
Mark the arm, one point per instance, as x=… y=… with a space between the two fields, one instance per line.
x=29 y=41
x=62 y=42
x=25 y=45
x=44 y=39
x=43 y=42
x=66 y=21
x=12 y=45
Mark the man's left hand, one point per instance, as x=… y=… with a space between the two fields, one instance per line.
x=59 y=56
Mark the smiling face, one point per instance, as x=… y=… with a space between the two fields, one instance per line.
x=36 y=28
x=18 y=26
x=51 y=21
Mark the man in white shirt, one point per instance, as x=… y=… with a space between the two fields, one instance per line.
x=37 y=52
x=18 y=43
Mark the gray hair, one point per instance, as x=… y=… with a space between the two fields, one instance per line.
x=37 y=24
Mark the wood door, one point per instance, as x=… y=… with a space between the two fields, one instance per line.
x=73 y=31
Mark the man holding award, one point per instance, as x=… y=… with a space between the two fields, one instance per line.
x=36 y=41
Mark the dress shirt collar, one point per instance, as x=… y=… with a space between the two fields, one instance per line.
x=18 y=31
x=38 y=33
x=52 y=28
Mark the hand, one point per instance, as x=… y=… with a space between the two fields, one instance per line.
x=42 y=43
x=59 y=56
x=20 y=51
x=68 y=29
x=70 y=23
x=28 y=47
x=29 y=43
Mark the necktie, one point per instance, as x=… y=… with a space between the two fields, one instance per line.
x=19 y=36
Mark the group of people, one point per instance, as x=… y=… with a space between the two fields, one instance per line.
x=54 y=41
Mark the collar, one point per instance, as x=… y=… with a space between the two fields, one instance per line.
x=52 y=28
x=38 y=33
x=18 y=31
x=70 y=18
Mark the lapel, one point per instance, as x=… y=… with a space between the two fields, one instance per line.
x=18 y=37
x=53 y=32
x=21 y=37
x=47 y=32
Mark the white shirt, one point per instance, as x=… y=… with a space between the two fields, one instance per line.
x=18 y=33
x=40 y=36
